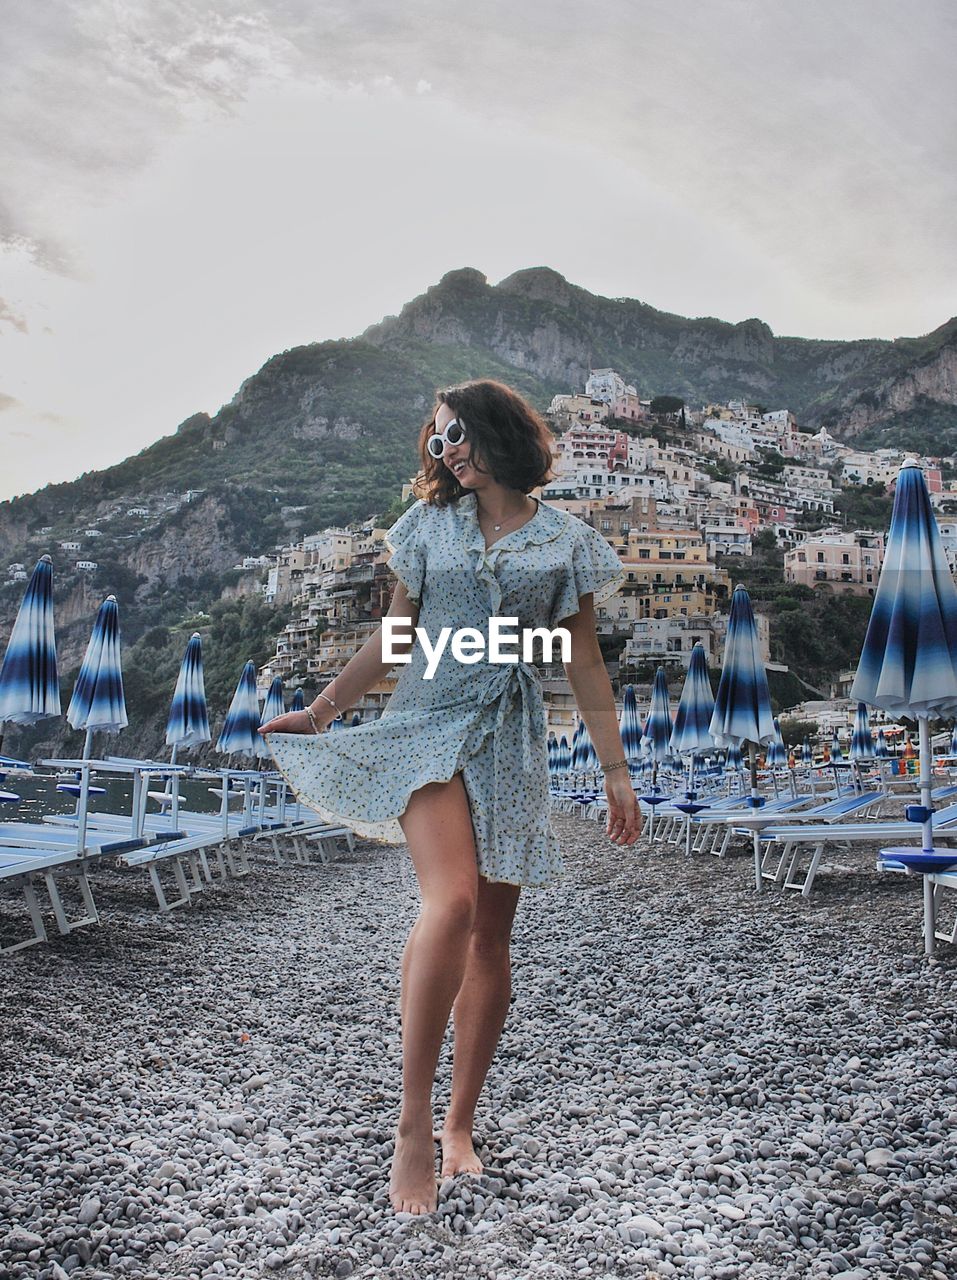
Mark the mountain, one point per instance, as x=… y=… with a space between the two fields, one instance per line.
x=325 y=433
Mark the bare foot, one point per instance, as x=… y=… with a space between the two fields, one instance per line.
x=458 y=1154
x=412 y=1183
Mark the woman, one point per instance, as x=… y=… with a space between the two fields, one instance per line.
x=457 y=766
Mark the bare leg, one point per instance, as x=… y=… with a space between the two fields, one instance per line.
x=437 y=825
x=480 y=1010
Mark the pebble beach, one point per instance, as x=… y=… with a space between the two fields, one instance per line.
x=695 y=1080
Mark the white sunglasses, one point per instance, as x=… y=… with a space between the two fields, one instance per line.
x=453 y=434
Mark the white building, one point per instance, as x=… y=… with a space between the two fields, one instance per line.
x=87 y=566
x=607 y=385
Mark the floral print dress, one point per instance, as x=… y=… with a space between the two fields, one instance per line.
x=483 y=718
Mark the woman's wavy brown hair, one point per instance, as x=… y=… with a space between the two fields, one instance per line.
x=512 y=441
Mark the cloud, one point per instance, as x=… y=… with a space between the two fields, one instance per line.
x=12 y=318
x=188 y=189
x=93 y=89
x=812 y=129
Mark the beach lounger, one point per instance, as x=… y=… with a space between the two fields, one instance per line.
x=797 y=842
x=30 y=849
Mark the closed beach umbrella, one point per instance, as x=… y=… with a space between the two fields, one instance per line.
x=188 y=722
x=862 y=743
x=908 y=665
x=882 y=750
x=578 y=753
x=836 y=751
x=691 y=733
x=742 y=707
x=630 y=727
x=807 y=755
x=589 y=755
x=356 y=719
x=239 y=735
x=777 y=755
x=657 y=738
x=734 y=761
x=298 y=701
x=29 y=683
x=272 y=707
x=658 y=726
x=98 y=703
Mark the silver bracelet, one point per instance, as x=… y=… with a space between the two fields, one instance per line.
x=312 y=720
x=338 y=715
x=619 y=764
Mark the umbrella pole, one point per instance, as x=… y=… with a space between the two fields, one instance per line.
x=753 y=766
x=174 y=784
x=688 y=815
x=927 y=841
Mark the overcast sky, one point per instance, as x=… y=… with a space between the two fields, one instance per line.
x=188 y=189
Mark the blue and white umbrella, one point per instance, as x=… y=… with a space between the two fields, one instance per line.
x=953 y=741
x=566 y=754
x=188 y=721
x=578 y=753
x=691 y=733
x=590 y=762
x=836 y=750
x=733 y=760
x=656 y=742
x=98 y=703
x=807 y=755
x=272 y=707
x=882 y=750
x=356 y=719
x=658 y=726
x=298 y=701
x=776 y=755
x=630 y=728
x=908 y=665
x=862 y=742
x=742 y=706
x=239 y=735
x=29 y=683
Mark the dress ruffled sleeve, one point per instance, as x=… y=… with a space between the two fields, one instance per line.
x=404 y=539
x=593 y=567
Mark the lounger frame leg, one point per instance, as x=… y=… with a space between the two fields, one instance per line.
x=36 y=919
x=64 y=924
x=791 y=880
x=238 y=858
x=162 y=901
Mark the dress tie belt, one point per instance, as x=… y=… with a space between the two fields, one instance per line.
x=500 y=683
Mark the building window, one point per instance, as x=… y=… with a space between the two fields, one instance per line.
x=820 y=557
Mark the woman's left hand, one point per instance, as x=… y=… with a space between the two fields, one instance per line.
x=624 y=812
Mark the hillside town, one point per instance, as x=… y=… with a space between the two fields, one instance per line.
x=680 y=494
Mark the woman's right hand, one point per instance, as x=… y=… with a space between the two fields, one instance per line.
x=298 y=721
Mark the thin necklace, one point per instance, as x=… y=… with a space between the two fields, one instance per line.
x=497 y=527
